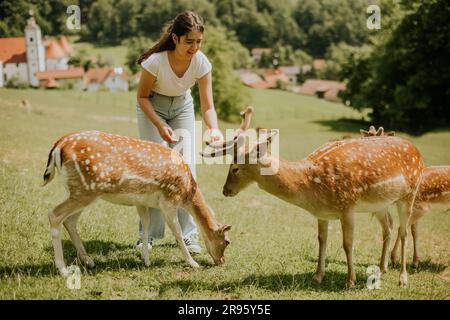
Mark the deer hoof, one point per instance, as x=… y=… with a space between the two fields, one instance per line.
x=318 y=277
x=88 y=261
x=403 y=282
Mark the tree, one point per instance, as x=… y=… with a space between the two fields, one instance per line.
x=405 y=78
x=136 y=47
x=324 y=22
x=230 y=96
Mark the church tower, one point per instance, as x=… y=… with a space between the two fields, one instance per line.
x=35 y=50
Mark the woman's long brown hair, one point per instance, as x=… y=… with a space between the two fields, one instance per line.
x=183 y=23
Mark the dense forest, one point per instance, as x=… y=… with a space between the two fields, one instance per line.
x=400 y=71
x=310 y=25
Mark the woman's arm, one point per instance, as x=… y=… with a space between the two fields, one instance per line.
x=207 y=106
x=146 y=83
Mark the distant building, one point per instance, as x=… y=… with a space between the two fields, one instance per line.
x=318 y=63
x=327 y=89
x=113 y=79
x=291 y=72
x=24 y=57
x=258 y=52
x=69 y=78
x=266 y=79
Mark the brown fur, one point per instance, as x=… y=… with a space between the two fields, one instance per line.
x=128 y=171
x=433 y=196
x=337 y=180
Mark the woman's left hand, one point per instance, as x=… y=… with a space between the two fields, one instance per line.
x=215 y=135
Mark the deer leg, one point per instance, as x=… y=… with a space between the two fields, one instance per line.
x=171 y=216
x=71 y=226
x=418 y=212
x=404 y=209
x=384 y=218
x=395 y=248
x=347 y=223
x=56 y=218
x=415 y=235
x=322 y=237
x=145 y=222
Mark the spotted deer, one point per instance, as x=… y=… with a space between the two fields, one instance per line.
x=337 y=180
x=122 y=170
x=433 y=196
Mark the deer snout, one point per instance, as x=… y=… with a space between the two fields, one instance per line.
x=219 y=261
x=227 y=192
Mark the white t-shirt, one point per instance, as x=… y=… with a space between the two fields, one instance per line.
x=167 y=82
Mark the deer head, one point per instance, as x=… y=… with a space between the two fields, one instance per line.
x=248 y=157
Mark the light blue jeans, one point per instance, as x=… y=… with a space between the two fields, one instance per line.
x=178 y=113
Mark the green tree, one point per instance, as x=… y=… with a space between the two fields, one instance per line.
x=324 y=22
x=404 y=79
x=230 y=96
x=136 y=47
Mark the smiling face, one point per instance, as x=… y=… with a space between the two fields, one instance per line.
x=186 y=46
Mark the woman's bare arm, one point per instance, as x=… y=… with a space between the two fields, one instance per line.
x=146 y=84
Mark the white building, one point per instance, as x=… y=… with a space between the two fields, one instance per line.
x=23 y=57
x=112 y=79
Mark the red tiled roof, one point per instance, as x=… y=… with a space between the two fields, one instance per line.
x=60 y=74
x=260 y=85
x=318 y=63
x=290 y=69
x=99 y=75
x=13 y=50
x=54 y=50
x=65 y=44
x=329 y=87
x=259 y=51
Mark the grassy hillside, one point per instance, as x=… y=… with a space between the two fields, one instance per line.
x=113 y=55
x=274 y=248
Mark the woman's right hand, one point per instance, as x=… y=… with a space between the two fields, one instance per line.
x=167 y=134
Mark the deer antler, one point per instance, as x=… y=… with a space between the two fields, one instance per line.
x=245 y=124
x=373 y=133
x=223 y=148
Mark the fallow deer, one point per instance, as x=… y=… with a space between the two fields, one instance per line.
x=335 y=181
x=433 y=196
x=127 y=171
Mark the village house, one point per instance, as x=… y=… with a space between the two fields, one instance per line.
x=24 y=57
x=291 y=72
x=264 y=79
x=72 y=78
x=112 y=79
x=327 y=89
x=258 y=52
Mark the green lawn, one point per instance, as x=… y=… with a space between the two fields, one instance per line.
x=274 y=248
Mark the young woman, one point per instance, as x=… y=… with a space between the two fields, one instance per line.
x=170 y=68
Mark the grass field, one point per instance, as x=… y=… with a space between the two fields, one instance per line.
x=113 y=55
x=274 y=248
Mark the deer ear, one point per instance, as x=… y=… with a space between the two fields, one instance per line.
x=225 y=228
x=363 y=132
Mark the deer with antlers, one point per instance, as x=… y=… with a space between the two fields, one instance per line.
x=122 y=170
x=334 y=182
x=433 y=196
